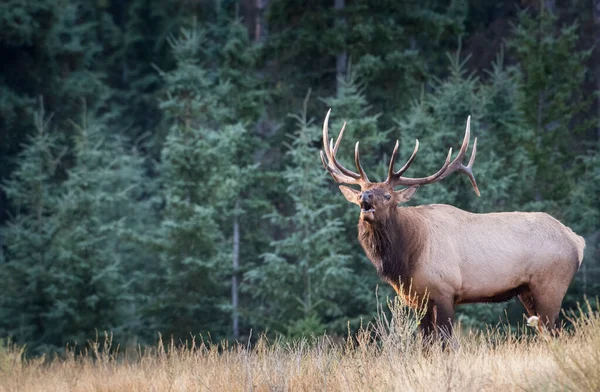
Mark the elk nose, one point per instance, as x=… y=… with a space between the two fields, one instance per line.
x=366 y=196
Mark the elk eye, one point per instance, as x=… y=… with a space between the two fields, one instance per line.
x=388 y=197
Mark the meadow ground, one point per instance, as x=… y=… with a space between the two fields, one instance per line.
x=384 y=356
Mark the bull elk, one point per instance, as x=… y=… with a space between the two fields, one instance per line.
x=449 y=256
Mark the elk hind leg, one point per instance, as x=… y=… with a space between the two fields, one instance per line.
x=549 y=291
x=548 y=308
x=526 y=298
x=548 y=302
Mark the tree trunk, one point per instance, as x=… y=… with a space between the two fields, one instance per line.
x=260 y=29
x=596 y=59
x=550 y=5
x=236 y=267
x=342 y=57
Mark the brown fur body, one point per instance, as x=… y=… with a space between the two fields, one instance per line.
x=461 y=257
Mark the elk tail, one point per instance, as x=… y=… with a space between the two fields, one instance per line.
x=579 y=244
x=580 y=247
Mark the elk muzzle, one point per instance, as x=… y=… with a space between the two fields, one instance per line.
x=366 y=203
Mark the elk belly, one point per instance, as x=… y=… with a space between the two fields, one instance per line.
x=495 y=274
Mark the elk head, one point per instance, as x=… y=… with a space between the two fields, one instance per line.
x=377 y=200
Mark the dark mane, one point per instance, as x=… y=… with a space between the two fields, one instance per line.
x=392 y=246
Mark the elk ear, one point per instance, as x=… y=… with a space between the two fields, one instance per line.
x=404 y=195
x=350 y=194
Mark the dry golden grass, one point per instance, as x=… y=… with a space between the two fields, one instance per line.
x=385 y=356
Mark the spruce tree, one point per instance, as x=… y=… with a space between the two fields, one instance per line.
x=554 y=72
x=203 y=173
x=350 y=105
x=142 y=28
x=236 y=61
x=65 y=253
x=199 y=181
x=300 y=284
x=502 y=168
x=99 y=197
x=58 y=50
x=27 y=240
x=583 y=215
x=395 y=46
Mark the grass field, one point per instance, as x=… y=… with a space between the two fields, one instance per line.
x=383 y=356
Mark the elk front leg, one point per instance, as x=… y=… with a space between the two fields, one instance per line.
x=437 y=322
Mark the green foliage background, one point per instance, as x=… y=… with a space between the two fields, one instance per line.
x=135 y=135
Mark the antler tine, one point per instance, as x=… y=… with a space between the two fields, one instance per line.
x=469 y=169
x=336 y=174
x=326 y=135
x=410 y=160
x=322 y=155
x=330 y=152
x=339 y=139
x=363 y=175
x=457 y=163
x=391 y=173
x=473 y=154
x=447 y=169
x=392 y=161
x=337 y=171
x=399 y=180
x=333 y=151
x=395 y=178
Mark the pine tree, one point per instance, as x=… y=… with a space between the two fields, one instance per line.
x=199 y=181
x=236 y=63
x=403 y=39
x=203 y=173
x=438 y=120
x=57 y=50
x=99 y=198
x=143 y=28
x=583 y=215
x=27 y=238
x=236 y=60
x=553 y=71
x=510 y=136
x=299 y=286
x=21 y=25
x=350 y=105
x=65 y=253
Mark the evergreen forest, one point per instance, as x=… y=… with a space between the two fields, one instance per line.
x=159 y=160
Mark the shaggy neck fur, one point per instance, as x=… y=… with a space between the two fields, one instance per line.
x=393 y=245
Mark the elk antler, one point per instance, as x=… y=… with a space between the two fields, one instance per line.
x=395 y=178
x=337 y=171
